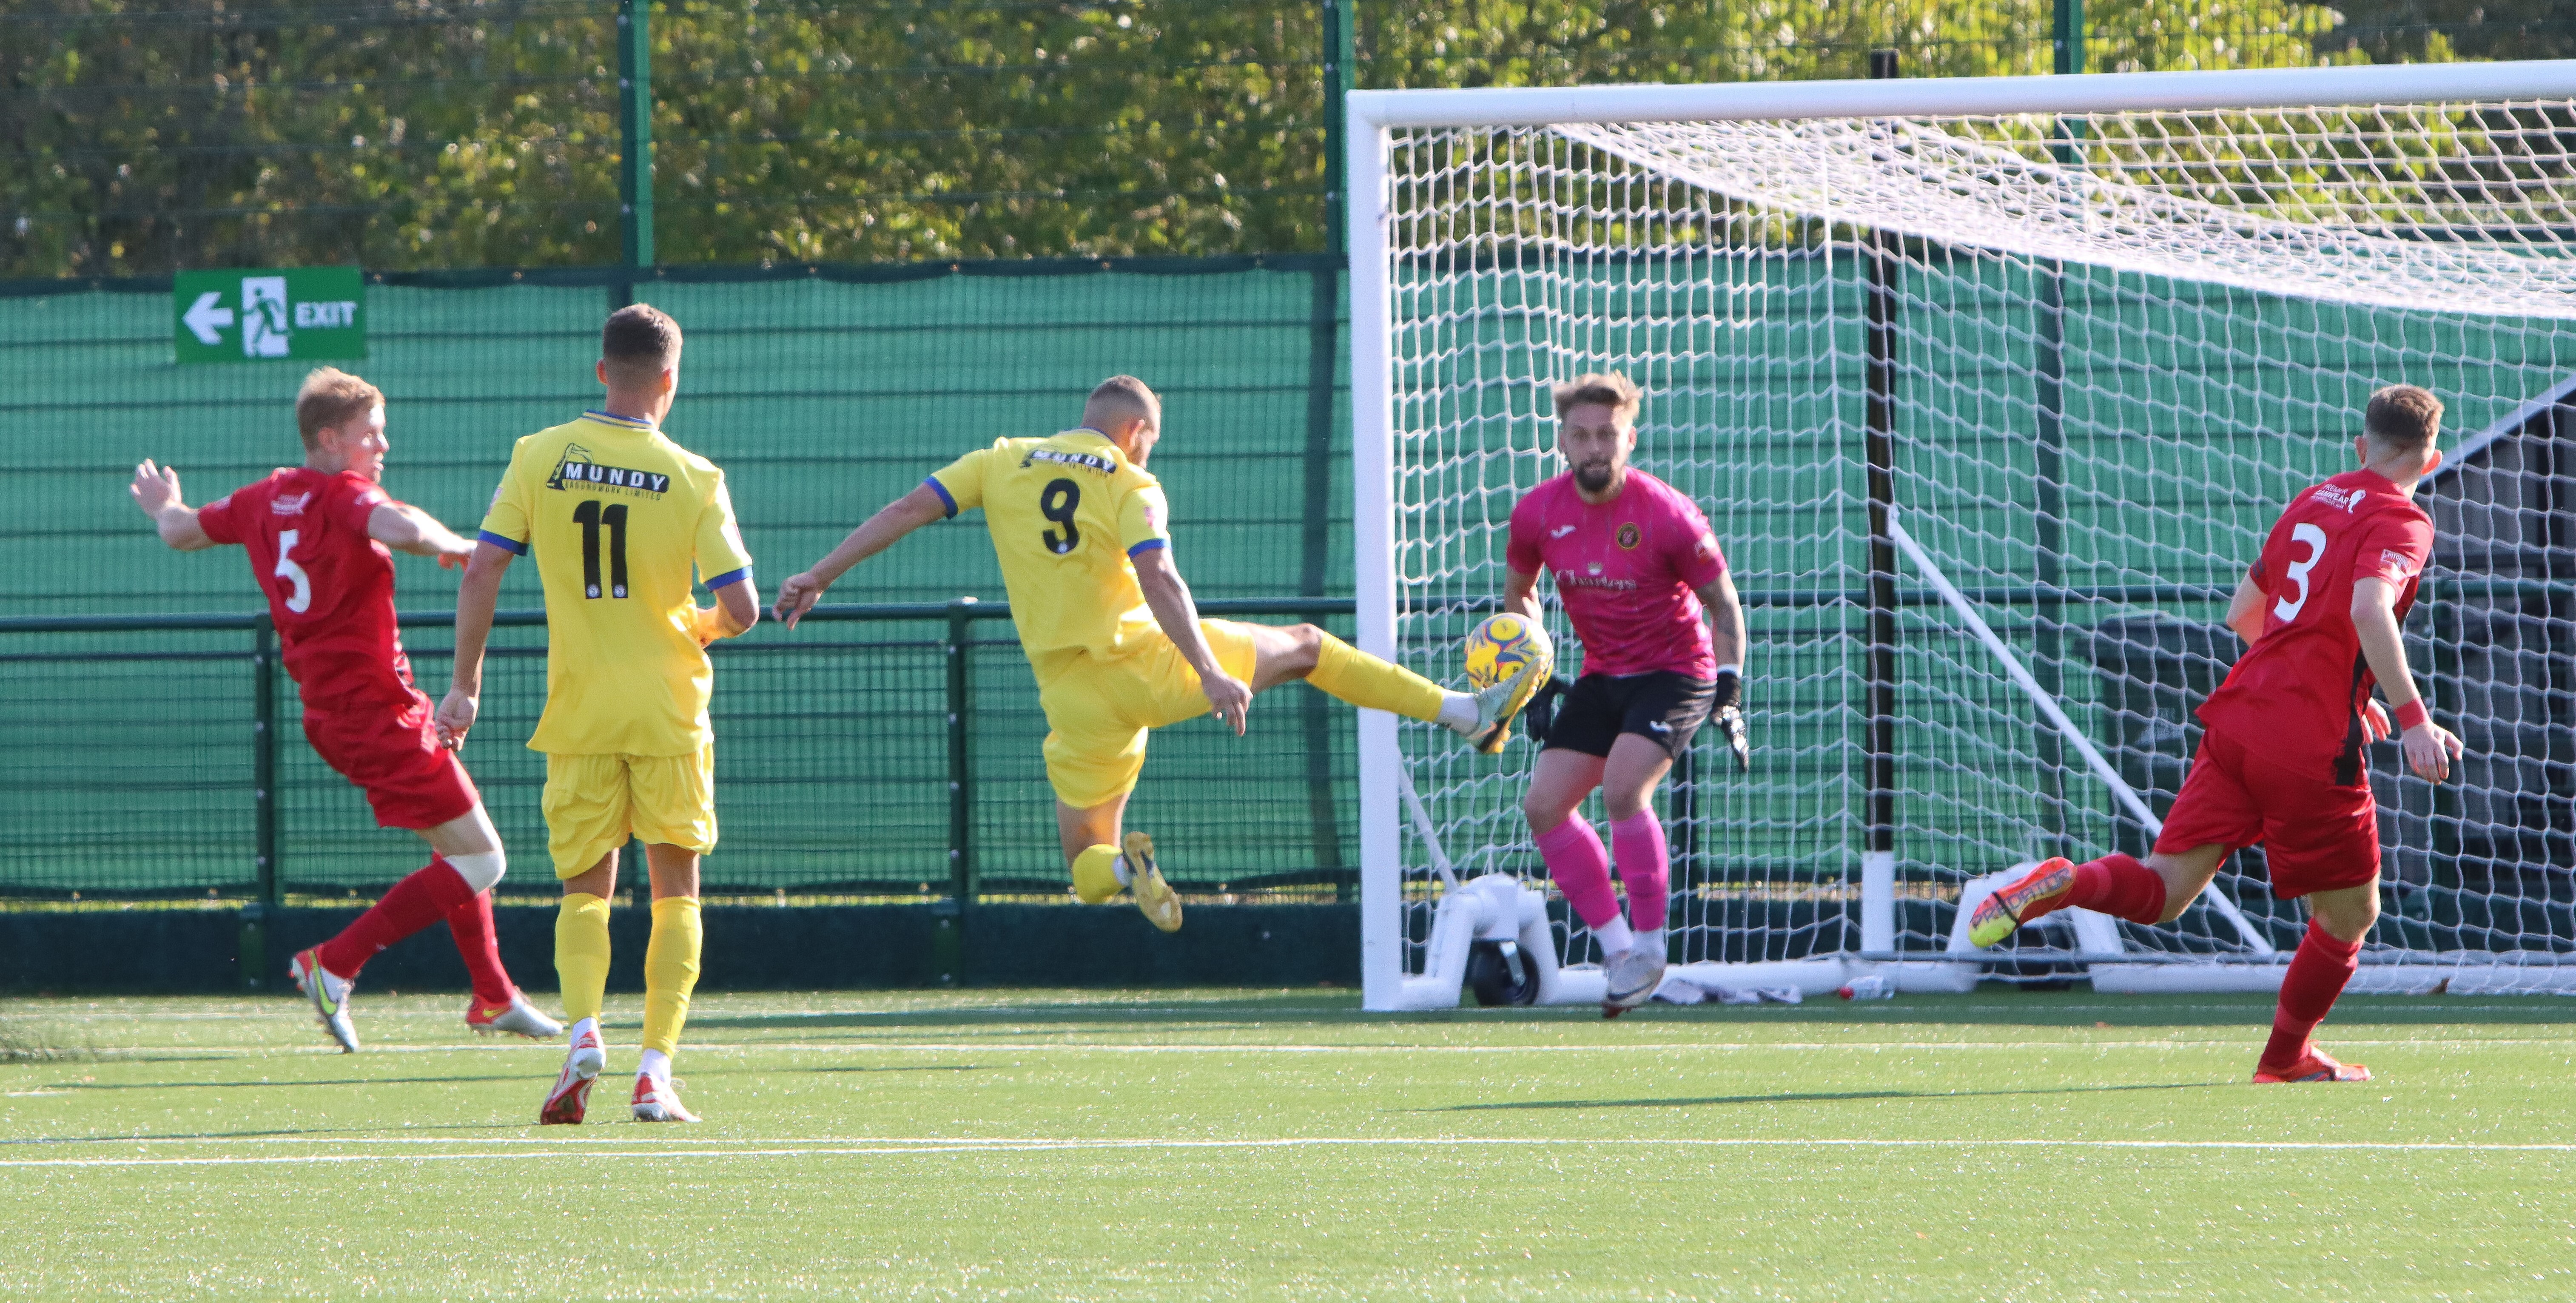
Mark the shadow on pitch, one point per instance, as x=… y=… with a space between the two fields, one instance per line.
x=1812 y=1097
x=278 y=1133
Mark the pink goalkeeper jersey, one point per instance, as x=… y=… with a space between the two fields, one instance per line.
x=1627 y=571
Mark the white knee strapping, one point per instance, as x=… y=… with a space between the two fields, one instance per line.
x=480 y=871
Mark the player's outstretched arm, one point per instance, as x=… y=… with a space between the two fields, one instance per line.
x=2430 y=748
x=879 y=532
x=156 y=490
x=1178 y=614
x=476 y=597
x=406 y=528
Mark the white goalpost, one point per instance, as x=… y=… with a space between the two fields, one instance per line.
x=1991 y=388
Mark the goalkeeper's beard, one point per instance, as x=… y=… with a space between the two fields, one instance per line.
x=1593 y=477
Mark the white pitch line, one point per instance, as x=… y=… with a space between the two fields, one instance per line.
x=899 y=1149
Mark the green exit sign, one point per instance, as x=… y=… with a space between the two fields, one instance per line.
x=294 y=313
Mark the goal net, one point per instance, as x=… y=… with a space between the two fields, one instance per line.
x=1991 y=391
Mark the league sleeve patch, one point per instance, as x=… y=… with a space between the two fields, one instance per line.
x=2397 y=563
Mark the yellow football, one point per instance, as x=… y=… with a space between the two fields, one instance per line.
x=1504 y=647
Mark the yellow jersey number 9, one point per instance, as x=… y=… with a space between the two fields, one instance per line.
x=1057 y=502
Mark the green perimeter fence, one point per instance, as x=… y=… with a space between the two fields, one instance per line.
x=883 y=750
x=823 y=391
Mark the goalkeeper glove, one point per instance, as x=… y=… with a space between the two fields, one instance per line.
x=1730 y=717
x=1540 y=714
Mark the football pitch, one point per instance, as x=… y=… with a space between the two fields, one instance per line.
x=1224 y=1144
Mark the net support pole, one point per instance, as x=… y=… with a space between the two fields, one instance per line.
x=2048 y=498
x=948 y=942
x=1381 y=761
x=1878 y=859
x=2056 y=716
x=634 y=144
x=2048 y=475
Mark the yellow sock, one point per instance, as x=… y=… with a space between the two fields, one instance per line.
x=581 y=954
x=1363 y=680
x=670 y=971
x=1095 y=877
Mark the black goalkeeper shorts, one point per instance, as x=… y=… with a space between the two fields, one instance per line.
x=1663 y=707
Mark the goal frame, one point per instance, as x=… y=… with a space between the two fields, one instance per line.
x=1372 y=115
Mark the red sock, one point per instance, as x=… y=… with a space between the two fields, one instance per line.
x=2317 y=974
x=471 y=924
x=414 y=903
x=2120 y=886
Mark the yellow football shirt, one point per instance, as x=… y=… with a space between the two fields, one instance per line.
x=621 y=520
x=1067 y=514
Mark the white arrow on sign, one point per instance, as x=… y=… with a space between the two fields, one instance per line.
x=205 y=318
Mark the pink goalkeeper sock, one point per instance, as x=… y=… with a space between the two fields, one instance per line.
x=1646 y=866
x=1581 y=868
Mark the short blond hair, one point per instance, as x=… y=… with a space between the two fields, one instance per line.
x=330 y=396
x=1608 y=388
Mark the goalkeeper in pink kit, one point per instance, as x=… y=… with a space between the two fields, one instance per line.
x=1644 y=584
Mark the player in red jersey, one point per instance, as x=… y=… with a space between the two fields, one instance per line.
x=318 y=536
x=2280 y=758
x=1636 y=568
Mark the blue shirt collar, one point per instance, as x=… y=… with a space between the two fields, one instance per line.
x=629 y=422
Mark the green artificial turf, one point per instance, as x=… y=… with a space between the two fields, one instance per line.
x=1284 y=1145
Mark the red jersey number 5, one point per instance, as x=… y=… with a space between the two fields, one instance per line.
x=287 y=570
x=2314 y=539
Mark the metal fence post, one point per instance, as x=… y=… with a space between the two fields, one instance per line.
x=1339 y=28
x=634 y=142
x=255 y=915
x=948 y=944
x=1323 y=351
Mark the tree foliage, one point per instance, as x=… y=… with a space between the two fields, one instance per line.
x=452 y=133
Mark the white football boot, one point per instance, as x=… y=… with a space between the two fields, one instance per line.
x=1633 y=975
x=518 y=1018
x=1499 y=705
x=329 y=994
x=659 y=1101
x=569 y=1101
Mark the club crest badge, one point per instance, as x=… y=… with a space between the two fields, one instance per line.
x=1628 y=536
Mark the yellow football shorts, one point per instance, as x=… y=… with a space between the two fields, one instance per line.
x=594 y=803
x=1098 y=711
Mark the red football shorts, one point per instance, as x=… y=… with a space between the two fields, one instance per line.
x=392 y=753
x=2316 y=836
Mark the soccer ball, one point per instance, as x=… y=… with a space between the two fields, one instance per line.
x=1505 y=647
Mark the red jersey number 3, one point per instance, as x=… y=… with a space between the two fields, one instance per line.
x=2294 y=694
x=2313 y=540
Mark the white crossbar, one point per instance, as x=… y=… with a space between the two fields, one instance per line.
x=2258 y=88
